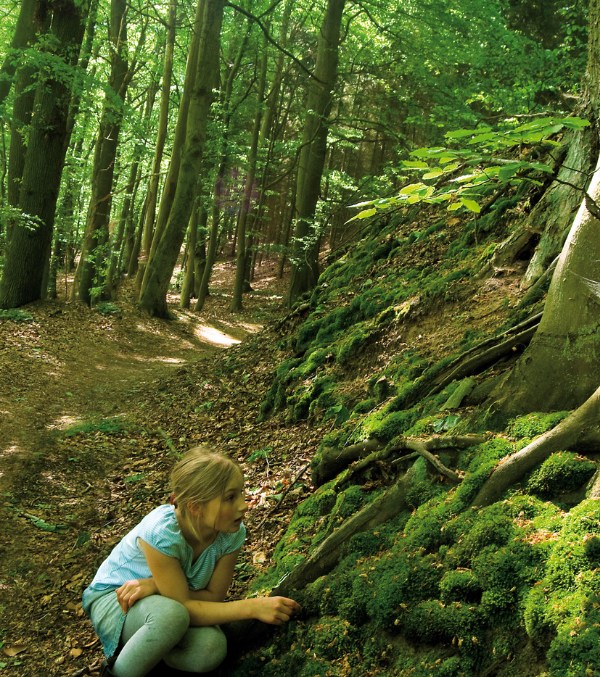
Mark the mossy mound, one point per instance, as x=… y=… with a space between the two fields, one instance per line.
x=448 y=589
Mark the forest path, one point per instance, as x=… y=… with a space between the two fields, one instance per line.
x=65 y=496
x=69 y=364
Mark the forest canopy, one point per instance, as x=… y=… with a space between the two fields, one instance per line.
x=116 y=157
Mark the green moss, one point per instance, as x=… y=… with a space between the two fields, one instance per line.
x=107 y=426
x=350 y=501
x=351 y=344
x=365 y=406
x=422 y=486
x=319 y=504
x=396 y=581
x=534 y=424
x=460 y=586
x=432 y=621
x=561 y=472
x=331 y=638
x=562 y=612
x=389 y=425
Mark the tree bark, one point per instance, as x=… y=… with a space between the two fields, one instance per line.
x=149 y=212
x=559 y=370
x=305 y=265
x=28 y=251
x=153 y=297
x=91 y=274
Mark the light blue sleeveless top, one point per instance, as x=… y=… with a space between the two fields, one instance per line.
x=159 y=529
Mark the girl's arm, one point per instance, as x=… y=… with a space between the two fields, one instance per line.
x=135 y=589
x=219 y=583
x=171 y=582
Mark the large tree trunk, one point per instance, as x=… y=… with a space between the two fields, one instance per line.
x=559 y=370
x=28 y=251
x=153 y=297
x=305 y=268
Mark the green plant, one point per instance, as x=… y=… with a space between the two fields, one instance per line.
x=472 y=162
x=16 y=315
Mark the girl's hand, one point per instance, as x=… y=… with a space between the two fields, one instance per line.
x=275 y=610
x=132 y=591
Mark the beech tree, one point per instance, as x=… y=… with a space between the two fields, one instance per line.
x=305 y=265
x=153 y=295
x=94 y=250
x=28 y=250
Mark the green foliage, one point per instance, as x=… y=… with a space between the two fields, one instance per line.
x=462 y=174
x=107 y=308
x=16 y=315
x=108 y=426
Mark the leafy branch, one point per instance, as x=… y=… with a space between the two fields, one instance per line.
x=458 y=176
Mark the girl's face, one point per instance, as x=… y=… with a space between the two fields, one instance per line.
x=225 y=513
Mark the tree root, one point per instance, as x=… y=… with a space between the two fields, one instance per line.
x=366 y=453
x=488 y=352
x=326 y=556
x=580 y=427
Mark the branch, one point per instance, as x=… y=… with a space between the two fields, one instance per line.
x=274 y=42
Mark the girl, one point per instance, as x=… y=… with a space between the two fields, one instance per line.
x=160 y=593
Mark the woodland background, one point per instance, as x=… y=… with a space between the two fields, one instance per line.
x=404 y=198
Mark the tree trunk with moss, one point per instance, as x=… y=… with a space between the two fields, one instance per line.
x=28 y=251
x=560 y=368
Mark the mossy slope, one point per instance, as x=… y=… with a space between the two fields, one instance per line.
x=510 y=589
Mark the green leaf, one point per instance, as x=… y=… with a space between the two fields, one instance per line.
x=506 y=173
x=471 y=205
x=433 y=174
x=575 y=123
x=412 y=188
x=415 y=164
x=366 y=213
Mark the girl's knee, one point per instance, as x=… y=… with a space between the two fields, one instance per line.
x=215 y=647
x=170 y=614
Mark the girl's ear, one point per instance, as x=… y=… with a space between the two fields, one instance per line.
x=195 y=509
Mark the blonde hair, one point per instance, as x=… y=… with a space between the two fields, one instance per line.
x=201 y=475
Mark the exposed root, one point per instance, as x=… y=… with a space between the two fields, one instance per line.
x=579 y=427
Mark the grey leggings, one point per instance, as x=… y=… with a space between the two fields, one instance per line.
x=158 y=628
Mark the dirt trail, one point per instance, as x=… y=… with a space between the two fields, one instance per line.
x=70 y=364
x=64 y=498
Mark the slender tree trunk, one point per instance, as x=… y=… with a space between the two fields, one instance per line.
x=91 y=274
x=220 y=180
x=152 y=194
x=190 y=267
x=22 y=37
x=28 y=251
x=305 y=266
x=153 y=297
x=248 y=197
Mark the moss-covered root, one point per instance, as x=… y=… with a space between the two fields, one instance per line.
x=582 y=425
x=326 y=556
